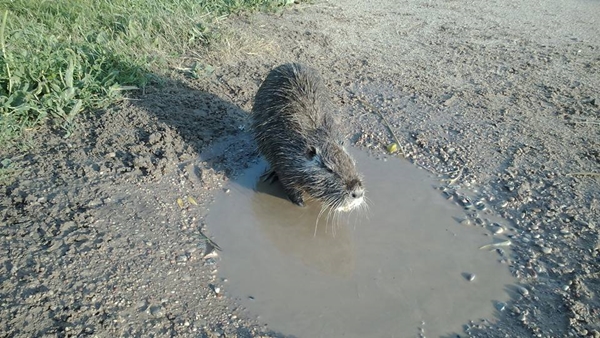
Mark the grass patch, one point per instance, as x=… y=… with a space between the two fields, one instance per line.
x=60 y=58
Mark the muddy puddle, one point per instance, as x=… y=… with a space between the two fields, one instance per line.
x=402 y=269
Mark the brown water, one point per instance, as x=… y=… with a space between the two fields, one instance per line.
x=399 y=272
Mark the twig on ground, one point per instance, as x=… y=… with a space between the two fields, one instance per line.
x=210 y=241
x=583 y=174
x=452 y=181
x=373 y=110
x=585 y=122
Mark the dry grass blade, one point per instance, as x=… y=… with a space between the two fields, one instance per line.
x=584 y=174
x=2 y=28
x=192 y=200
x=373 y=110
x=210 y=241
x=496 y=245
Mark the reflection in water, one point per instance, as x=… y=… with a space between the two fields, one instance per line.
x=379 y=277
x=323 y=244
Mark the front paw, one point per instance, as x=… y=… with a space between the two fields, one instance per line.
x=296 y=197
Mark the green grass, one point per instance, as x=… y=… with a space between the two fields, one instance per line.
x=60 y=58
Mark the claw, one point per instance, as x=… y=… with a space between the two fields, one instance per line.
x=270 y=177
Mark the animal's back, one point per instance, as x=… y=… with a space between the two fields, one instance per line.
x=292 y=101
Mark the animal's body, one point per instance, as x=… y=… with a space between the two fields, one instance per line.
x=297 y=130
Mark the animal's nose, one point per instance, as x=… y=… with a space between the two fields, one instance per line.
x=357 y=192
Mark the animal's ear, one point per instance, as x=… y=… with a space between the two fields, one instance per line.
x=311 y=152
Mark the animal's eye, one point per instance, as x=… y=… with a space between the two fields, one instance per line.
x=311 y=152
x=329 y=169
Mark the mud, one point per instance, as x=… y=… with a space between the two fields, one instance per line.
x=498 y=99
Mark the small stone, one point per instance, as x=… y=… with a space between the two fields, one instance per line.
x=469 y=276
x=523 y=291
x=156 y=311
x=67 y=226
x=215 y=288
x=212 y=254
x=465 y=221
x=498 y=230
x=465 y=202
x=546 y=250
x=532 y=273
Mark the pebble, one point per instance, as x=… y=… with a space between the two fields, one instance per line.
x=500 y=306
x=465 y=202
x=523 y=291
x=465 y=221
x=470 y=277
x=532 y=273
x=498 y=230
x=546 y=250
x=156 y=311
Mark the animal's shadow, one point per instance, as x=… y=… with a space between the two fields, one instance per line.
x=215 y=130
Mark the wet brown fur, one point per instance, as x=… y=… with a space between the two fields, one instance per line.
x=297 y=131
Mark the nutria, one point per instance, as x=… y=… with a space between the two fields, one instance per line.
x=297 y=131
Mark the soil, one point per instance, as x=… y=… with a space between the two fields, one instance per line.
x=103 y=233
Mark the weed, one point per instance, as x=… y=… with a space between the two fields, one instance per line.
x=64 y=57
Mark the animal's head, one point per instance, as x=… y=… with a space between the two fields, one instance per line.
x=332 y=177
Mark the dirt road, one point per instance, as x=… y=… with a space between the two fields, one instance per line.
x=102 y=232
